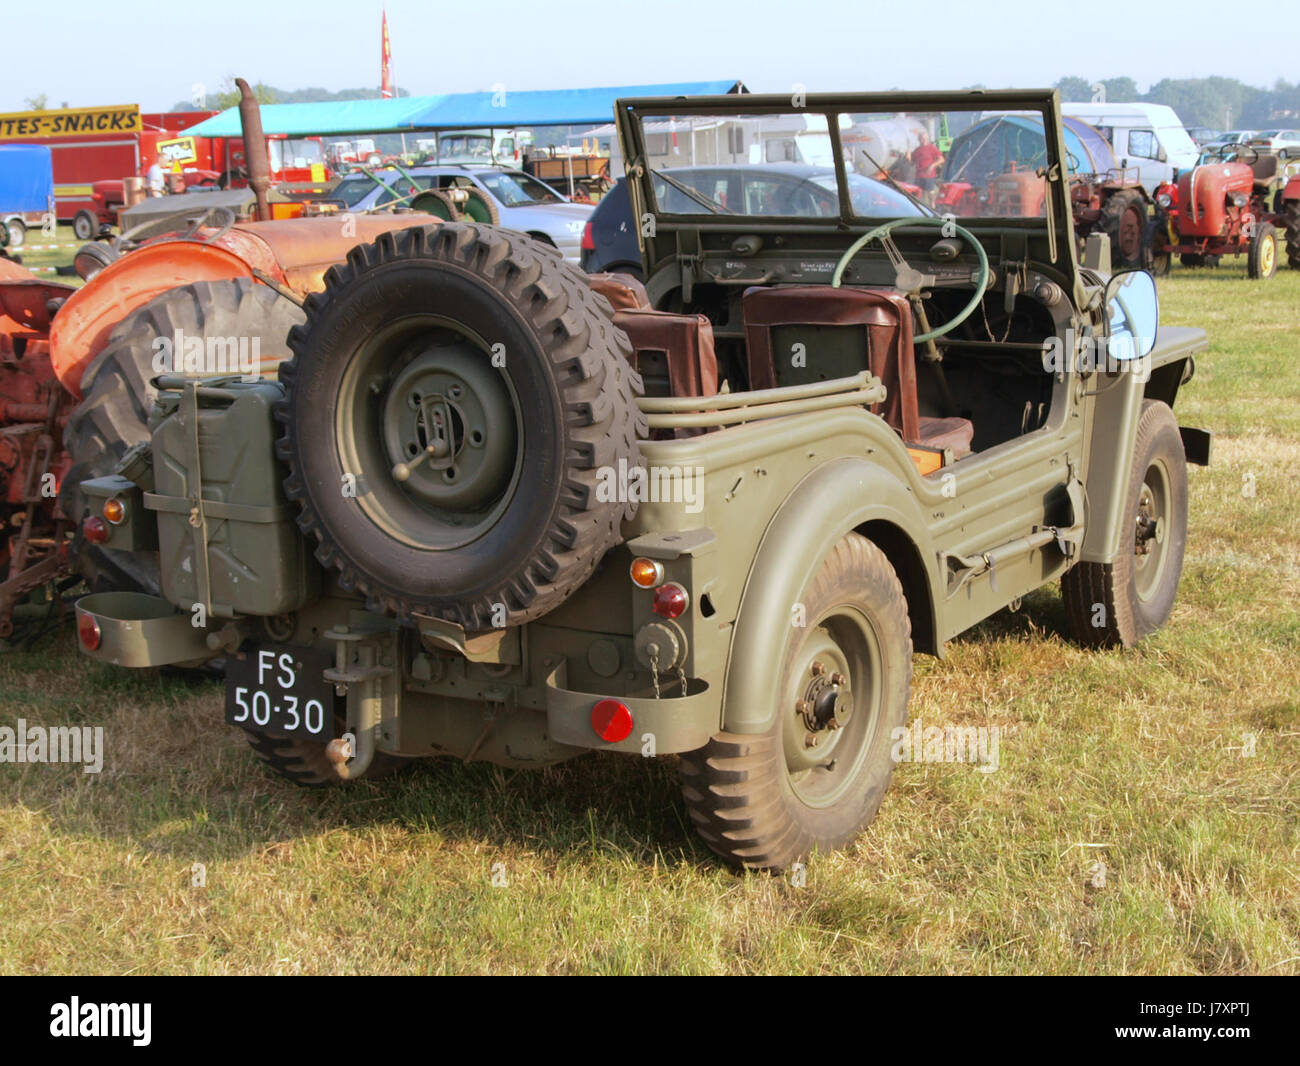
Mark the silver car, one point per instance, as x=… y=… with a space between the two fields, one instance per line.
x=523 y=202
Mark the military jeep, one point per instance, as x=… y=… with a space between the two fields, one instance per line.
x=498 y=510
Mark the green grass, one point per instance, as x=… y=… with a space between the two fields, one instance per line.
x=1132 y=759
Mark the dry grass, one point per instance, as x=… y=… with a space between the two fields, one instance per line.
x=1130 y=759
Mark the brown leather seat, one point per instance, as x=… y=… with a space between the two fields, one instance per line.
x=1265 y=168
x=674 y=353
x=885 y=320
x=623 y=291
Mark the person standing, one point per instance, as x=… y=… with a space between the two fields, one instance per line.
x=927 y=159
x=155 y=178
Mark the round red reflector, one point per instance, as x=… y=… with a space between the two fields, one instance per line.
x=88 y=630
x=611 y=720
x=646 y=573
x=95 y=529
x=670 y=600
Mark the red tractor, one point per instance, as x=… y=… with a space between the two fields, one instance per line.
x=1234 y=202
x=994 y=169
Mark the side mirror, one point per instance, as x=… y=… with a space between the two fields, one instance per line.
x=1162 y=155
x=1132 y=315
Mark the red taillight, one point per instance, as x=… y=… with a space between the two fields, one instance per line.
x=88 y=630
x=670 y=600
x=611 y=720
x=588 y=241
x=95 y=529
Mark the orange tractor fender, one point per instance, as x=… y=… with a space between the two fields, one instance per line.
x=291 y=254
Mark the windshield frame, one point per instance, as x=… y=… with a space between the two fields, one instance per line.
x=1051 y=235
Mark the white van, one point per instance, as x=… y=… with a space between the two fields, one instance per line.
x=1149 y=137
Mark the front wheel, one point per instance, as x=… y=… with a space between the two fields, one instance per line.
x=1119 y=603
x=819 y=773
x=17 y=232
x=1261 y=257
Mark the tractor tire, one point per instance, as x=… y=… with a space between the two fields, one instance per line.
x=304 y=762
x=479 y=207
x=91 y=258
x=1117 y=604
x=1261 y=256
x=764 y=801
x=117 y=397
x=1124 y=221
x=437 y=203
x=1291 y=212
x=85 y=225
x=404 y=414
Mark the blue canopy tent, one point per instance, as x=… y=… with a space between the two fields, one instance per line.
x=532 y=107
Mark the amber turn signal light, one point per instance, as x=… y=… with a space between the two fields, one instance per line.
x=115 y=511
x=646 y=573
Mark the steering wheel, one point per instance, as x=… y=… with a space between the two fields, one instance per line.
x=1254 y=154
x=223 y=219
x=912 y=281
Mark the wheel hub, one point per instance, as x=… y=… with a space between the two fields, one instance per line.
x=449 y=429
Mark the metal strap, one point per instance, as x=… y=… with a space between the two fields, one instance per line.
x=218 y=509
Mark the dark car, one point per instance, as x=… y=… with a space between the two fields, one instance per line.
x=795 y=190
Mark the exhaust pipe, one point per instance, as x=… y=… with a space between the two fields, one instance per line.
x=255 y=158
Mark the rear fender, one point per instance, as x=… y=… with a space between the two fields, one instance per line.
x=833 y=500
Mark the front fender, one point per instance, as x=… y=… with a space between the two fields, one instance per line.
x=833 y=500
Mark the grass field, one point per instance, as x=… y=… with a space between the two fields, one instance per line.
x=1145 y=817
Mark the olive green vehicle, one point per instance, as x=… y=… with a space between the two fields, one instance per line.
x=497 y=510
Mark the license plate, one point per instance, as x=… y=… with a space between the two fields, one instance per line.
x=280 y=690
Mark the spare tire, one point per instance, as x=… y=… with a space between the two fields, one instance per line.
x=117 y=396
x=452 y=399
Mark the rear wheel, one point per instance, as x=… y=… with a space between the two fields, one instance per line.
x=1261 y=257
x=17 y=232
x=117 y=397
x=819 y=774
x=85 y=225
x=1119 y=603
x=1124 y=220
x=1291 y=212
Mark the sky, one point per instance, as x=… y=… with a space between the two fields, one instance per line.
x=771 y=45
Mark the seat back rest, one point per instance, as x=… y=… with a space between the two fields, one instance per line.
x=679 y=347
x=885 y=318
x=623 y=291
x=1265 y=168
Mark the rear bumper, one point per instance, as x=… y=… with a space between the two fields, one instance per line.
x=674 y=723
x=139 y=630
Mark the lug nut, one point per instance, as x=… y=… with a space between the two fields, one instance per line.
x=818 y=668
x=809 y=740
x=801 y=707
x=838 y=678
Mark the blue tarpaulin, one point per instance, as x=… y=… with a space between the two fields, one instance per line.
x=26 y=178
x=504 y=109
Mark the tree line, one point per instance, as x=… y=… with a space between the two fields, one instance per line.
x=1220 y=103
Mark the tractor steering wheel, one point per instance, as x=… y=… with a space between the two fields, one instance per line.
x=912 y=281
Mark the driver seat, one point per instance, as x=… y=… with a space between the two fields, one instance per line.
x=883 y=320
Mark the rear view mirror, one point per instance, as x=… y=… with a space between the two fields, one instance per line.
x=1132 y=313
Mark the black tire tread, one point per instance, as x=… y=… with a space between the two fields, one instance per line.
x=731 y=785
x=591 y=359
